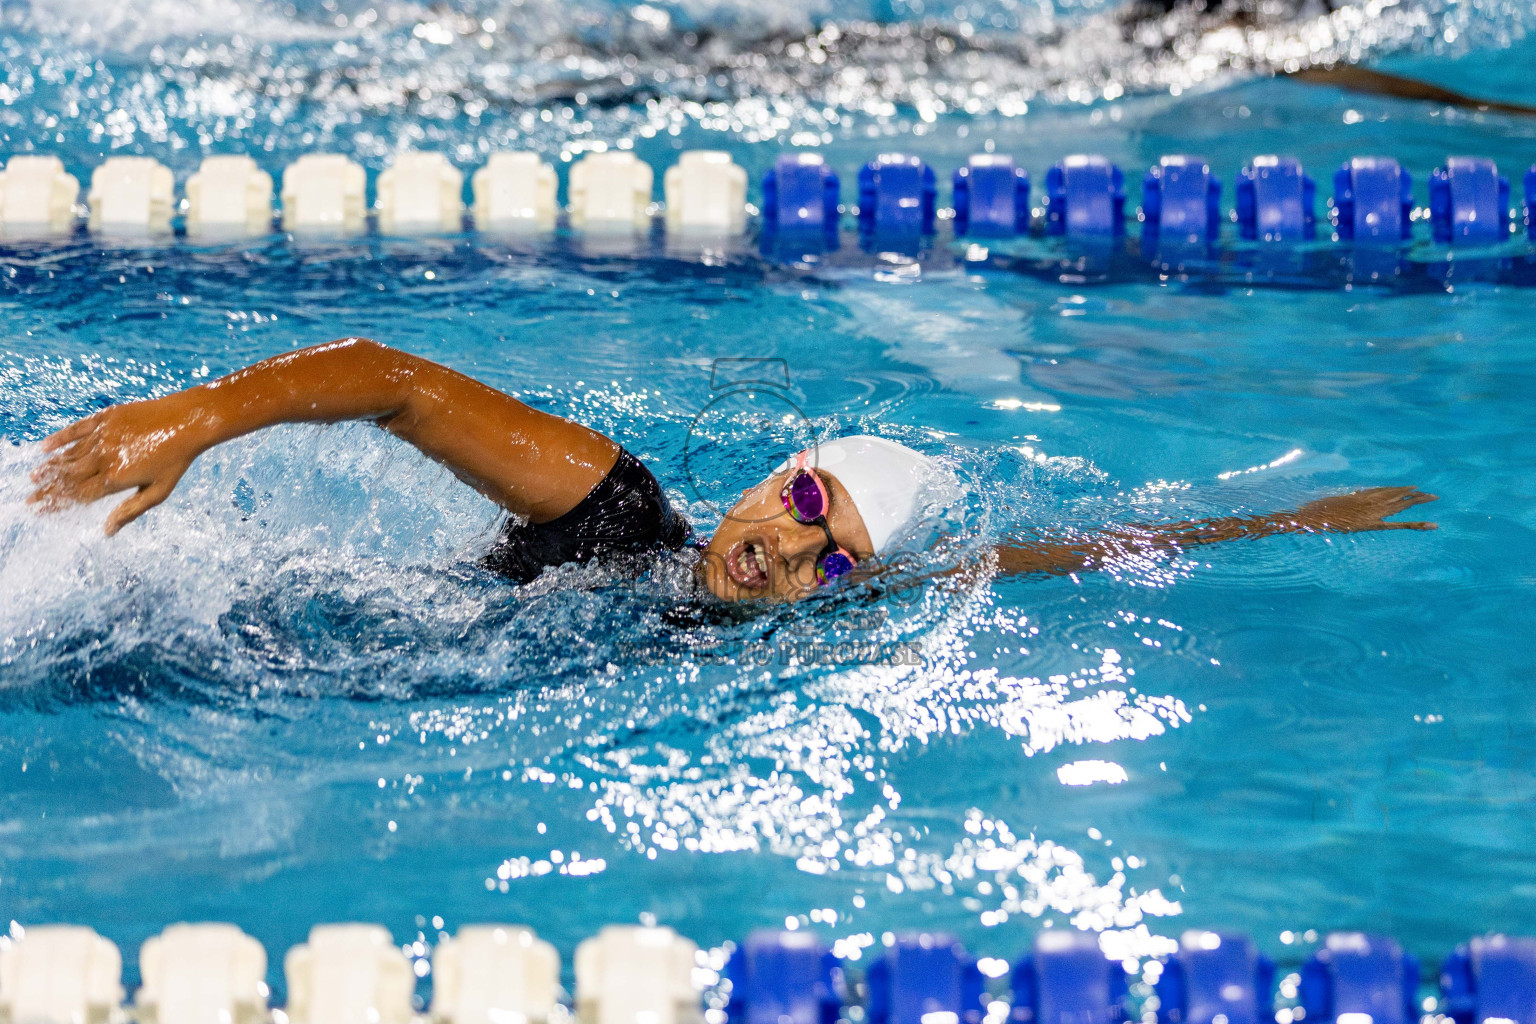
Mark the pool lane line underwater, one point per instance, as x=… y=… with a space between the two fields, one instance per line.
x=631 y=974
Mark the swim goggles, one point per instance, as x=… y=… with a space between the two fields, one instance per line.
x=806 y=499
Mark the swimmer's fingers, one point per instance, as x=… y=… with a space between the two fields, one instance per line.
x=1394 y=500
x=1401 y=499
x=1417 y=497
x=82 y=459
x=46 y=500
x=145 y=499
x=1384 y=497
x=1412 y=495
x=72 y=433
x=64 y=490
x=67 y=474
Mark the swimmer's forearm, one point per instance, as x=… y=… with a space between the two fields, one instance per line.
x=1052 y=557
x=1063 y=557
x=1357 y=511
x=1211 y=531
x=350 y=379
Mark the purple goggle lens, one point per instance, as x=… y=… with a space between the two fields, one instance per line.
x=804 y=497
x=832 y=565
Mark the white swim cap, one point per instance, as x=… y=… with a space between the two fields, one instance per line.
x=884 y=479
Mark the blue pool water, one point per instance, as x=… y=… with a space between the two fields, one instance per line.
x=287 y=696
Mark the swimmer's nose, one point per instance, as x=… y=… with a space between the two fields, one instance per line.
x=791 y=543
x=793 y=547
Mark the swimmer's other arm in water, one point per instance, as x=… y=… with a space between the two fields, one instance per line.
x=1356 y=512
x=531 y=463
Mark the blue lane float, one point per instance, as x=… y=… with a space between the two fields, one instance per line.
x=1065 y=979
x=1216 y=977
x=991 y=197
x=923 y=975
x=800 y=208
x=1181 y=200
x=1490 y=979
x=800 y=194
x=1356 y=973
x=1276 y=201
x=1530 y=202
x=1085 y=198
x=1469 y=202
x=898 y=196
x=784 y=978
x=1373 y=198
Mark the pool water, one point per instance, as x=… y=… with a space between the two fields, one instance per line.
x=289 y=696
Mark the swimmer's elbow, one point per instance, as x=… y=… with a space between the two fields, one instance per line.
x=367 y=361
x=387 y=379
x=385 y=358
x=422 y=399
x=366 y=348
x=394 y=370
x=413 y=394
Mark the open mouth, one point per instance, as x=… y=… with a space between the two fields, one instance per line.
x=747 y=565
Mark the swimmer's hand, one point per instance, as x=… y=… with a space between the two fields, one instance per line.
x=1360 y=511
x=145 y=446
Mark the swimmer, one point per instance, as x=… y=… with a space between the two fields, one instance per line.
x=577 y=496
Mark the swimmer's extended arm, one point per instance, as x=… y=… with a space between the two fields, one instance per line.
x=1344 y=513
x=533 y=463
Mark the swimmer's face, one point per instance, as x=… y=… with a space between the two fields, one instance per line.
x=762 y=552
